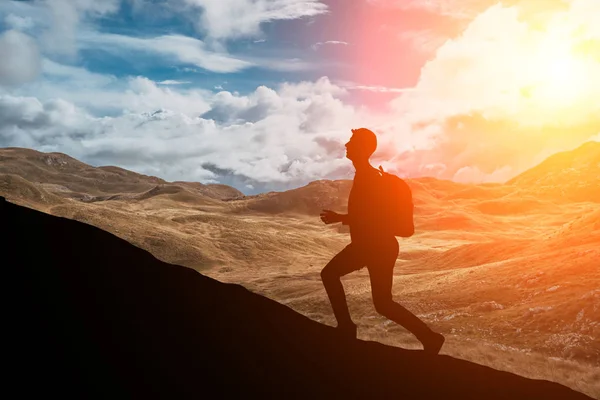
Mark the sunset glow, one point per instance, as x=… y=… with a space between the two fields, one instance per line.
x=424 y=174
x=561 y=76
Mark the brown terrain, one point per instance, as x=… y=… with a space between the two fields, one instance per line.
x=508 y=272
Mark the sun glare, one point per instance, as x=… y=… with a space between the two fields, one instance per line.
x=561 y=71
x=559 y=74
x=562 y=80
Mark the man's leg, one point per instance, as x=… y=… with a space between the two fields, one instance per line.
x=381 y=272
x=346 y=261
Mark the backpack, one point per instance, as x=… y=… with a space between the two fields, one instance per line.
x=398 y=205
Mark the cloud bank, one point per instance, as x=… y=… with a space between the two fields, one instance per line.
x=496 y=99
x=267 y=138
x=21 y=61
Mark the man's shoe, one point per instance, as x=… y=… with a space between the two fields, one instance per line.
x=347 y=331
x=434 y=343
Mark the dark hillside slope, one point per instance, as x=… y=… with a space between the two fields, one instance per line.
x=89 y=315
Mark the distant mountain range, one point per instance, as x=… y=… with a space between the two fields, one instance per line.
x=191 y=223
x=49 y=177
x=63 y=176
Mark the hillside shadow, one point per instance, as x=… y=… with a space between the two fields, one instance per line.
x=90 y=315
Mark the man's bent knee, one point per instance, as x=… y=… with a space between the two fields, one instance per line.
x=327 y=274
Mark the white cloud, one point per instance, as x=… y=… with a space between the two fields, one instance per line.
x=76 y=76
x=506 y=69
x=475 y=72
x=69 y=25
x=187 y=50
x=22 y=12
x=329 y=42
x=27 y=122
x=17 y=22
x=107 y=95
x=276 y=64
x=460 y=9
x=20 y=58
x=288 y=136
x=227 y=19
x=65 y=17
x=502 y=93
x=183 y=48
x=595 y=138
x=173 y=82
x=370 y=88
x=144 y=95
x=322 y=86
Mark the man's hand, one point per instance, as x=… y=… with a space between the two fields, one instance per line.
x=330 y=217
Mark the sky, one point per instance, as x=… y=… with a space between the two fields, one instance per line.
x=262 y=94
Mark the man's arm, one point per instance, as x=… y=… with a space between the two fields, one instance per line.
x=331 y=217
x=345 y=219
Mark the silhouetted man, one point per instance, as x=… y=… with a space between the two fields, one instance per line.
x=372 y=245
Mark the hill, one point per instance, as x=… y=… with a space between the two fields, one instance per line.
x=570 y=175
x=67 y=177
x=91 y=315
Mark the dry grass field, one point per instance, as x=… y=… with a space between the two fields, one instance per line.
x=509 y=273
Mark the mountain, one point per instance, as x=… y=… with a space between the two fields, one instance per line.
x=570 y=175
x=67 y=177
x=200 y=225
x=45 y=178
x=308 y=200
x=89 y=315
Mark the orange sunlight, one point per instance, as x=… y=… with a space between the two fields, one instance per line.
x=560 y=75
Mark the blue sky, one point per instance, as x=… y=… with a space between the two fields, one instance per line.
x=262 y=94
x=318 y=40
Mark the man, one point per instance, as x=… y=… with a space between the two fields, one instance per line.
x=372 y=245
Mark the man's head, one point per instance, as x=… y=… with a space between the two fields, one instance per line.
x=361 y=145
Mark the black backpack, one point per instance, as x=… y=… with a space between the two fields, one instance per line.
x=399 y=205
